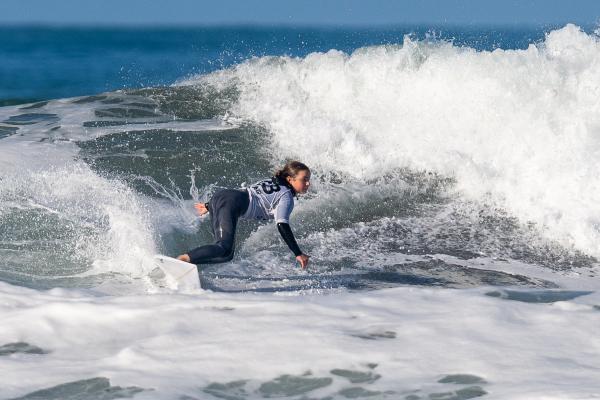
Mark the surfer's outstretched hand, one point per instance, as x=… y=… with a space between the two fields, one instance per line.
x=201 y=208
x=303 y=260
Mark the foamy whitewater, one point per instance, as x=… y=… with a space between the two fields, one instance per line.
x=453 y=227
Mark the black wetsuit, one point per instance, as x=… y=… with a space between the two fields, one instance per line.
x=226 y=207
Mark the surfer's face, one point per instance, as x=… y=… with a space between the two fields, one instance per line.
x=300 y=182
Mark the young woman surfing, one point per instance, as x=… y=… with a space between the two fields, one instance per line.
x=268 y=199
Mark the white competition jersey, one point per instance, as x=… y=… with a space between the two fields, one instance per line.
x=270 y=200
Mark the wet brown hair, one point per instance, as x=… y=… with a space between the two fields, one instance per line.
x=291 y=169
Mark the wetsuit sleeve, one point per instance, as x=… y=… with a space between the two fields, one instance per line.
x=288 y=237
x=284 y=208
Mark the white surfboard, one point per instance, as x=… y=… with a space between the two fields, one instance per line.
x=180 y=273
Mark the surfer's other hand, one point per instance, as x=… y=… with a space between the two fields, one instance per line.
x=201 y=208
x=303 y=260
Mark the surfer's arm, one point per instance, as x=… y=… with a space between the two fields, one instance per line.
x=288 y=238
x=282 y=218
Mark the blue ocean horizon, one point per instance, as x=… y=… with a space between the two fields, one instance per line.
x=49 y=62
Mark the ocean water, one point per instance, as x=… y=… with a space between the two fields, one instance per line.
x=40 y=63
x=452 y=220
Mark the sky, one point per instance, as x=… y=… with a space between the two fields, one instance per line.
x=299 y=12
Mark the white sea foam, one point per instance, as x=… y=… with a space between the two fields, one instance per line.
x=179 y=344
x=521 y=126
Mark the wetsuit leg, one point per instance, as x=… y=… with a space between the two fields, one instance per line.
x=225 y=208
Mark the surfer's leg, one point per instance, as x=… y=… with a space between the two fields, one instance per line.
x=224 y=224
x=225 y=209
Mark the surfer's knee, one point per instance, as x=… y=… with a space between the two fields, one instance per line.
x=227 y=251
x=229 y=256
x=184 y=257
x=226 y=247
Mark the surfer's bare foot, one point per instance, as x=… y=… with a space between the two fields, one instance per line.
x=184 y=257
x=201 y=208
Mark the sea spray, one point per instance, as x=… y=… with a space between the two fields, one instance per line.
x=518 y=127
x=62 y=221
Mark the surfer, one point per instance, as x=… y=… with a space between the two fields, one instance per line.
x=268 y=199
